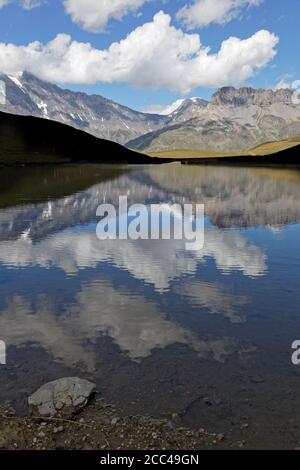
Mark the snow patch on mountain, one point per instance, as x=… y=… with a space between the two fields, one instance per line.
x=43 y=107
x=16 y=81
x=172 y=108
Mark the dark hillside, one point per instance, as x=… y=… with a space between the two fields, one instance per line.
x=28 y=140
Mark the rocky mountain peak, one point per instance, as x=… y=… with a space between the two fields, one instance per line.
x=29 y=95
x=234 y=119
x=230 y=96
x=193 y=102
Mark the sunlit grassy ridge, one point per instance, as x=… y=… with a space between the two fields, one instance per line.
x=185 y=153
x=274 y=147
x=268 y=148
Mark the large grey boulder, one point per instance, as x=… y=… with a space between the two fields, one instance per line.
x=66 y=396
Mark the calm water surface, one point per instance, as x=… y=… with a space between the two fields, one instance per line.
x=161 y=330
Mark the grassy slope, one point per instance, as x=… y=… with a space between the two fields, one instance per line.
x=273 y=147
x=184 y=153
x=261 y=150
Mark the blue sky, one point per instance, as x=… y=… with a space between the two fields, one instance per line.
x=132 y=84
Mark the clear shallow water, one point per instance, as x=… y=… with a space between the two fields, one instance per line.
x=203 y=334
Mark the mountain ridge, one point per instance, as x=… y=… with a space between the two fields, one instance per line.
x=101 y=117
x=234 y=120
x=32 y=140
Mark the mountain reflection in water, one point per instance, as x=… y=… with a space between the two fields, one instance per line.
x=144 y=315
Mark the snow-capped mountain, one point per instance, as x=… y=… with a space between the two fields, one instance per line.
x=233 y=120
x=28 y=95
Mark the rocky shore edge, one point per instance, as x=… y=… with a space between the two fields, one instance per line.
x=67 y=415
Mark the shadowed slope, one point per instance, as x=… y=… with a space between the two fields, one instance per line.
x=27 y=140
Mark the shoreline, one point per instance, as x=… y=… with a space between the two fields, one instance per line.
x=100 y=427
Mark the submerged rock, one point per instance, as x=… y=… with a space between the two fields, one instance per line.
x=66 y=396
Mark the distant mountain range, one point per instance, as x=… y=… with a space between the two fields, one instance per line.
x=27 y=95
x=233 y=121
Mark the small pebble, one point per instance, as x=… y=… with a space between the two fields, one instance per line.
x=245 y=426
x=58 y=430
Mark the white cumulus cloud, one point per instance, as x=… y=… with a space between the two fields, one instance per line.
x=155 y=55
x=93 y=15
x=4 y=2
x=25 y=4
x=30 y=4
x=201 y=13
